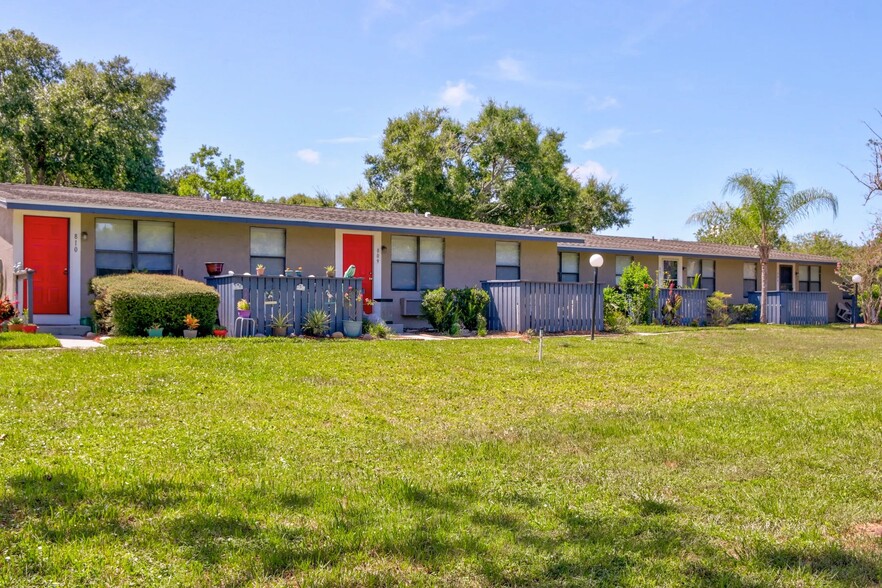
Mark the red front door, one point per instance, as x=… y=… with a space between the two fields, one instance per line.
x=46 y=252
x=358 y=250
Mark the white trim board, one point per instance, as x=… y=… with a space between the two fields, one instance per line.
x=75 y=262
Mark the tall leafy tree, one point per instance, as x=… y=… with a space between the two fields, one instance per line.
x=821 y=243
x=210 y=174
x=83 y=124
x=320 y=200
x=766 y=208
x=500 y=167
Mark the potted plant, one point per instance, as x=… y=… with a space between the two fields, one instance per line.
x=214 y=268
x=298 y=272
x=154 y=330
x=7 y=309
x=30 y=328
x=219 y=331
x=280 y=324
x=289 y=273
x=261 y=269
x=351 y=325
x=243 y=308
x=192 y=324
x=16 y=324
x=329 y=271
x=316 y=322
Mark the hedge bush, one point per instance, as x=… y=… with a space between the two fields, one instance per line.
x=448 y=309
x=129 y=304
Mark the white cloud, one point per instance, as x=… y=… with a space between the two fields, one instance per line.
x=603 y=138
x=590 y=169
x=345 y=140
x=598 y=104
x=310 y=156
x=511 y=69
x=455 y=95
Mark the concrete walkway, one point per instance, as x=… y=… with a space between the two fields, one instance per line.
x=71 y=342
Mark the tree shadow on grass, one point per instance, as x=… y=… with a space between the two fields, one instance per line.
x=494 y=537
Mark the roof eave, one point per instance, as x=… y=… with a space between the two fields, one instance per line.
x=625 y=251
x=153 y=213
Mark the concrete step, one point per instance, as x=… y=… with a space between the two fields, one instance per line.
x=64 y=330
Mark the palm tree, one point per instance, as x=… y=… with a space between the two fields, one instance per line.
x=767 y=207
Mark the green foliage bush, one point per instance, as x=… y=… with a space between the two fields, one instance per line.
x=718 y=309
x=742 y=313
x=129 y=304
x=449 y=309
x=636 y=285
x=615 y=311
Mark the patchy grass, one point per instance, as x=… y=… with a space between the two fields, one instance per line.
x=27 y=341
x=707 y=458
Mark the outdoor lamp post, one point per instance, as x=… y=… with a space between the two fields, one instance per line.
x=857 y=279
x=596 y=261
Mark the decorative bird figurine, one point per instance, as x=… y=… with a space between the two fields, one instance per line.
x=350 y=272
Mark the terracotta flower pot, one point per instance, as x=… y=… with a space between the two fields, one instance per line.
x=260 y=271
x=13 y=328
x=214 y=268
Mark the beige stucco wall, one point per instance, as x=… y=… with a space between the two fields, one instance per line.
x=198 y=242
x=467 y=262
x=729 y=275
x=6 y=248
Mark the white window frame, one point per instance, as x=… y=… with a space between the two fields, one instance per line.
x=680 y=269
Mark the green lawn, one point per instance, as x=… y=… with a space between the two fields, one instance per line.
x=27 y=341
x=738 y=457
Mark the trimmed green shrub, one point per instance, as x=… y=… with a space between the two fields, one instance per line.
x=129 y=304
x=742 y=313
x=439 y=308
x=450 y=310
x=471 y=303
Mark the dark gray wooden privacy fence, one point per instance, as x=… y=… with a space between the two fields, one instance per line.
x=694 y=306
x=553 y=307
x=272 y=296
x=793 y=308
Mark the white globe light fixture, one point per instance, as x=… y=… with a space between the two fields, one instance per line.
x=855 y=311
x=596 y=261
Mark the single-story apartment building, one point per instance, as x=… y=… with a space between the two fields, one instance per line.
x=734 y=269
x=69 y=235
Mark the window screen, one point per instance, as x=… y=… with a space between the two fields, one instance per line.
x=508 y=260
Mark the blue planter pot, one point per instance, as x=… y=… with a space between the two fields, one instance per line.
x=352 y=329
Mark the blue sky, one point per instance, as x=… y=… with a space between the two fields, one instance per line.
x=666 y=97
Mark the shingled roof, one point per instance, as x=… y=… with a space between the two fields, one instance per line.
x=635 y=245
x=31 y=197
